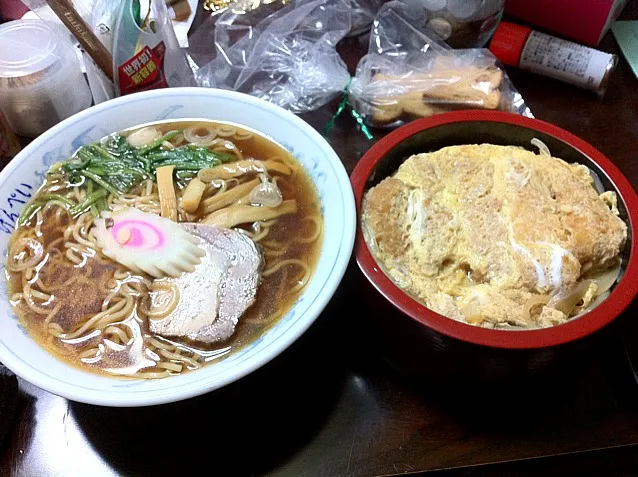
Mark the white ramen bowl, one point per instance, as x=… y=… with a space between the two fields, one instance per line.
x=20 y=179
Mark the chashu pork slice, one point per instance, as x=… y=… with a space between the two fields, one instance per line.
x=214 y=296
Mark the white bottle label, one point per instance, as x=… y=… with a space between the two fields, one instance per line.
x=564 y=60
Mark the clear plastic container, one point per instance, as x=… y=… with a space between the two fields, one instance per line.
x=464 y=23
x=41 y=82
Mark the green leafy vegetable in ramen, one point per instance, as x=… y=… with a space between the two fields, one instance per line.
x=113 y=166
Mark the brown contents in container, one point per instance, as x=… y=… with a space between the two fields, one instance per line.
x=9 y=144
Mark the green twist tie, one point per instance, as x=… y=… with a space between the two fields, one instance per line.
x=343 y=104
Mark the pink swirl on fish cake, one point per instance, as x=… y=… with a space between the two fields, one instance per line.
x=144 y=235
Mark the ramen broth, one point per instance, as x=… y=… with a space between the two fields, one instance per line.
x=66 y=295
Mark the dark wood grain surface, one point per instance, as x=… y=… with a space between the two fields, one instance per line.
x=331 y=406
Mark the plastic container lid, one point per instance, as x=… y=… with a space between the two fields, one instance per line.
x=28 y=46
x=434 y=5
x=508 y=42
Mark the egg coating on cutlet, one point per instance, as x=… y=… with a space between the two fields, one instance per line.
x=477 y=231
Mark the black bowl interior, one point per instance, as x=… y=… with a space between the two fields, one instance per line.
x=505 y=134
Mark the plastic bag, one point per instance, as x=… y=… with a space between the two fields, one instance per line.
x=410 y=73
x=148 y=58
x=103 y=16
x=234 y=24
x=182 y=12
x=284 y=55
x=362 y=13
x=103 y=13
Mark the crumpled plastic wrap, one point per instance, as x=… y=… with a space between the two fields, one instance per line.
x=362 y=14
x=410 y=73
x=284 y=55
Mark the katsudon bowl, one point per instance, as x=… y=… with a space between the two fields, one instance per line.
x=421 y=341
x=288 y=141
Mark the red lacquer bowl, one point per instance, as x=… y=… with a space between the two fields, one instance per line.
x=475 y=127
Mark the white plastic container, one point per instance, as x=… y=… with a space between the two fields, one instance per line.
x=41 y=82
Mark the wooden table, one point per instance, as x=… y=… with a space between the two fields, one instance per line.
x=330 y=406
